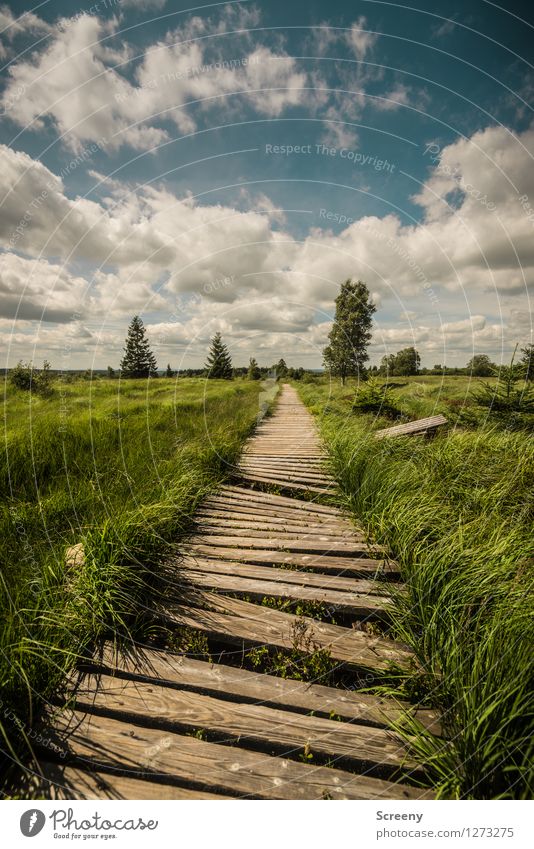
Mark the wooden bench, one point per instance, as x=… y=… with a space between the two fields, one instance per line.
x=426 y=426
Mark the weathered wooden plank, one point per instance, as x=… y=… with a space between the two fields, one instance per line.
x=277 y=432
x=277 y=500
x=284 y=483
x=271 y=573
x=288 y=465
x=367 y=606
x=355 y=566
x=285 y=444
x=286 y=478
x=271 y=510
x=265 y=451
x=56 y=781
x=243 y=685
x=310 y=545
x=263 y=521
x=292 y=474
x=419 y=426
x=312 y=464
x=244 y=529
x=154 y=706
x=114 y=745
x=237 y=622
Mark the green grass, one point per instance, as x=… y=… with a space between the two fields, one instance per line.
x=457 y=512
x=414 y=397
x=119 y=466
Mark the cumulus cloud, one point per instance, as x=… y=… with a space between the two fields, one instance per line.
x=71 y=83
x=80 y=81
x=151 y=250
x=38 y=290
x=92 y=87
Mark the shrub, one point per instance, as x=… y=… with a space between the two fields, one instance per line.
x=511 y=399
x=24 y=376
x=373 y=397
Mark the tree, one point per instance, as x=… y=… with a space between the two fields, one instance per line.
x=407 y=362
x=510 y=395
x=387 y=365
x=480 y=366
x=527 y=362
x=346 y=354
x=138 y=360
x=111 y=371
x=296 y=373
x=281 y=368
x=253 y=372
x=219 y=364
x=169 y=372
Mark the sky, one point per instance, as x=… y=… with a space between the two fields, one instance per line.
x=226 y=166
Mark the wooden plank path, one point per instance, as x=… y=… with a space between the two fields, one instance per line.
x=156 y=724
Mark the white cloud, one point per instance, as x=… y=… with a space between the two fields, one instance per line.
x=151 y=249
x=12 y=27
x=79 y=82
x=360 y=39
x=38 y=290
x=399 y=95
x=357 y=38
x=71 y=83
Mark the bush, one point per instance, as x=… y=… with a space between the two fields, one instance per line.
x=24 y=376
x=373 y=397
x=511 y=400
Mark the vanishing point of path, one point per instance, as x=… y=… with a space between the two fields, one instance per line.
x=163 y=725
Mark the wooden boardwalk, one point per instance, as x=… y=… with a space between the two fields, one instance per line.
x=163 y=725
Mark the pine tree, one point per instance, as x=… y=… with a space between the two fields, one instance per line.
x=219 y=364
x=253 y=372
x=527 y=361
x=169 y=372
x=346 y=354
x=138 y=360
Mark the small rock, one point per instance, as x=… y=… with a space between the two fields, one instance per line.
x=75 y=555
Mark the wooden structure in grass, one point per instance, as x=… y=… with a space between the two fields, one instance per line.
x=157 y=724
x=426 y=427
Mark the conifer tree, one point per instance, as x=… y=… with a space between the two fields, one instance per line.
x=138 y=360
x=527 y=361
x=169 y=372
x=219 y=363
x=253 y=372
x=281 y=368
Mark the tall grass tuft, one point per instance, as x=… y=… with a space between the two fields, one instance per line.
x=457 y=512
x=120 y=467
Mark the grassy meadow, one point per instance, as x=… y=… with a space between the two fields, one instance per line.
x=120 y=467
x=457 y=512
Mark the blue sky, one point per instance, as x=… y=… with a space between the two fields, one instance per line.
x=227 y=167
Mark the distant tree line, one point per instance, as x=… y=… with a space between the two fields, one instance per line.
x=345 y=355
